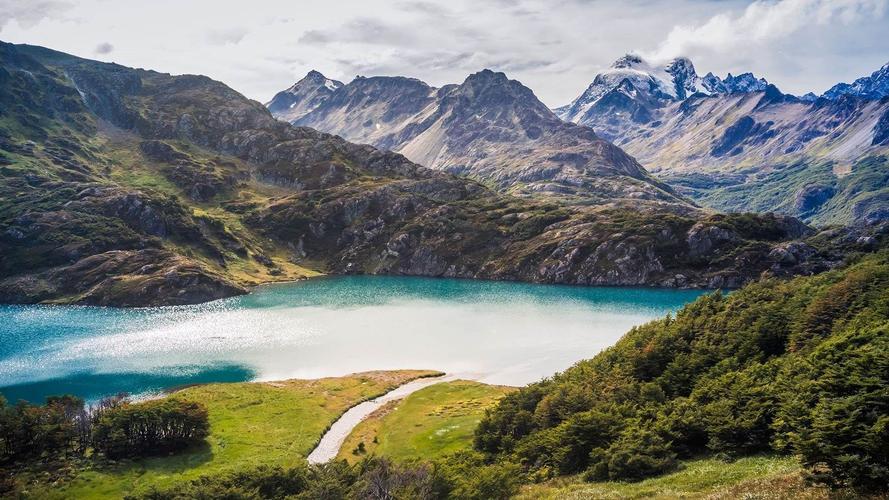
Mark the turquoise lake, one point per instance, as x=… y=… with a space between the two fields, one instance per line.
x=496 y=332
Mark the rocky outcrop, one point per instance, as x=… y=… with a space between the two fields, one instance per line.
x=881 y=130
x=703 y=238
x=392 y=230
x=133 y=278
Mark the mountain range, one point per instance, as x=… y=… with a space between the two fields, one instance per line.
x=130 y=187
x=732 y=144
x=739 y=143
x=488 y=128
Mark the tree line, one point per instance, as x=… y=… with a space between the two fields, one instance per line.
x=114 y=427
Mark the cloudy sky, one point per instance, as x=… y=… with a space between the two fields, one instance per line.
x=553 y=46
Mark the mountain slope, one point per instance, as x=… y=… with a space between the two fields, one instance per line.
x=744 y=145
x=797 y=367
x=488 y=128
x=130 y=187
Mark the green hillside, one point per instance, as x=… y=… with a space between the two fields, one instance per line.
x=798 y=367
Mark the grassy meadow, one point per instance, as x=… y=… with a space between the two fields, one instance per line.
x=428 y=424
x=251 y=424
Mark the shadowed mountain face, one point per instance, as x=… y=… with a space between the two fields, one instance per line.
x=740 y=144
x=488 y=128
x=130 y=187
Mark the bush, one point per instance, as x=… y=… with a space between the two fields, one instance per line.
x=30 y=431
x=159 y=426
x=463 y=475
x=466 y=475
x=636 y=454
x=835 y=410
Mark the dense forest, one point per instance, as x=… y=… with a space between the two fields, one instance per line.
x=798 y=367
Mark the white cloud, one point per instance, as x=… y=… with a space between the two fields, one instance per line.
x=27 y=13
x=554 y=46
x=763 y=22
x=226 y=36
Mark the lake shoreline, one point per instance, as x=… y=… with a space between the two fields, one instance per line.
x=503 y=333
x=255 y=286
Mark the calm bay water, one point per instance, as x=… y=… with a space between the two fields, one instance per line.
x=507 y=333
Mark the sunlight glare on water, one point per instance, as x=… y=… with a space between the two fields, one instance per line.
x=507 y=333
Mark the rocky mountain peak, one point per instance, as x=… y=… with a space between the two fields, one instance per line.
x=743 y=83
x=303 y=96
x=808 y=97
x=628 y=61
x=875 y=86
x=312 y=80
x=712 y=83
x=490 y=128
x=488 y=89
x=641 y=83
x=685 y=78
x=486 y=77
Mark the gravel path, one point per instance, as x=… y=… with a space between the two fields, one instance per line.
x=332 y=440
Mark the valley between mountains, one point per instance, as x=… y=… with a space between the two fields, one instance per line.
x=131 y=188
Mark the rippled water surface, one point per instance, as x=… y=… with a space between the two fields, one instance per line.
x=508 y=333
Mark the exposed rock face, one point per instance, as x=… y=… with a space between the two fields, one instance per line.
x=792 y=253
x=488 y=128
x=881 y=130
x=124 y=279
x=703 y=238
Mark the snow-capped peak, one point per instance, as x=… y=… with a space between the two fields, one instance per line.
x=685 y=78
x=634 y=76
x=675 y=81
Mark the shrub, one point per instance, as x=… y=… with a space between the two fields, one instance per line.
x=636 y=454
x=466 y=475
x=28 y=431
x=835 y=409
x=163 y=425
